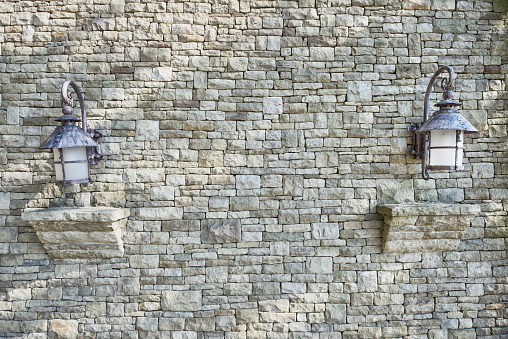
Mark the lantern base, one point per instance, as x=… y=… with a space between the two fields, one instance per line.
x=445 y=168
x=72 y=182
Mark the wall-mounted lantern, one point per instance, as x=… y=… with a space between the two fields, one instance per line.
x=74 y=148
x=439 y=140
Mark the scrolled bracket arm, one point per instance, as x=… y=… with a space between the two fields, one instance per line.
x=67 y=99
x=446 y=85
x=94 y=153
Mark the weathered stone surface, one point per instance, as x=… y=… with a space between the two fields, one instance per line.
x=128 y=286
x=79 y=232
x=244 y=203
x=418 y=304
x=253 y=141
x=449 y=25
x=278 y=306
x=325 y=231
x=395 y=191
x=220 y=231
x=335 y=313
x=359 y=91
x=147 y=130
x=62 y=329
x=425 y=227
x=5 y=200
x=319 y=265
x=160 y=213
x=162 y=74
x=272 y=105
x=181 y=300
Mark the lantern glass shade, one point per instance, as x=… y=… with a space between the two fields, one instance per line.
x=71 y=165
x=446 y=149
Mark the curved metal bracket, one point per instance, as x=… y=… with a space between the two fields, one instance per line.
x=446 y=85
x=68 y=100
x=94 y=153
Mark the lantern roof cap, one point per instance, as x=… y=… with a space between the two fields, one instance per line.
x=447 y=119
x=68 y=136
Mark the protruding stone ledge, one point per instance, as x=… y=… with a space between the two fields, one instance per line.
x=425 y=227
x=80 y=232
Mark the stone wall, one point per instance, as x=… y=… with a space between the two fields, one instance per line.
x=252 y=141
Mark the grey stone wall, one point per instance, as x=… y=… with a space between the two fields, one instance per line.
x=252 y=142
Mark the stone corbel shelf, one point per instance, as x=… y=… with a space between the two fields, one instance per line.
x=79 y=232
x=425 y=227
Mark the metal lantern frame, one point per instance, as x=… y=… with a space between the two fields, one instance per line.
x=68 y=135
x=447 y=118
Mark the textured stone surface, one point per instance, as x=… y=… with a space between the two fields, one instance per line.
x=62 y=329
x=425 y=227
x=252 y=142
x=181 y=300
x=79 y=232
x=220 y=231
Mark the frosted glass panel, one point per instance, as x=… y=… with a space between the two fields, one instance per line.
x=73 y=171
x=445 y=156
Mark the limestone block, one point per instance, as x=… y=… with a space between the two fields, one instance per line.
x=296 y=288
x=449 y=25
x=335 y=313
x=147 y=324
x=207 y=158
x=443 y=5
x=280 y=305
x=160 y=213
x=248 y=182
x=244 y=203
x=325 y=230
x=16 y=178
x=418 y=304
x=395 y=191
x=147 y=130
x=238 y=289
x=19 y=294
x=85 y=232
x=266 y=288
x=62 y=329
x=322 y=54
x=288 y=217
x=272 y=105
x=200 y=324
x=171 y=324
x=237 y=64
x=222 y=231
x=5 y=200
x=247 y=316
x=367 y=281
x=425 y=227
x=359 y=91
x=319 y=265
x=128 y=286
x=34 y=326
x=483 y=170
x=113 y=94
x=144 y=261
x=181 y=300
x=216 y=274
x=162 y=74
x=95 y=309
x=162 y=193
